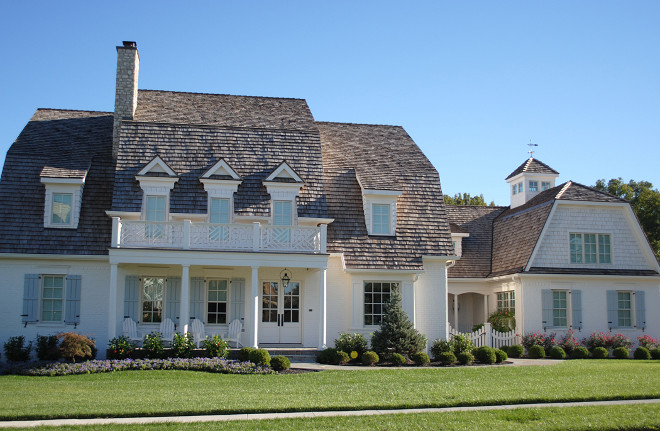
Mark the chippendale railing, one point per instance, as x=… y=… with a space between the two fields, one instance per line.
x=187 y=235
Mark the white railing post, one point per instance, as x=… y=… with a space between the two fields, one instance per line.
x=186 y=234
x=256 y=236
x=116 y=232
x=324 y=238
x=489 y=334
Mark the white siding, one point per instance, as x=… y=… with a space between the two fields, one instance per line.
x=431 y=301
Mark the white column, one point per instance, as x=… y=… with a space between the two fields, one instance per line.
x=455 y=311
x=112 y=302
x=323 y=327
x=255 y=306
x=485 y=308
x=184 y=312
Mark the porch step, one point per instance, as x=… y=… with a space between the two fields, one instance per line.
x=295 y=354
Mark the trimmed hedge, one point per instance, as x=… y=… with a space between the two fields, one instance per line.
x=485 y=355
x=370 y=358
x=580 y=352
x=500 y=356
x=260 y=357
x=447 y=358
x=536 y=352
x=556 y=352
x=600 y=353
x=280 y=363
x=244 y=353
x=420 y=358
x=398 y=359
x=465 y=358
x=621 y=353
x=515 y=351
x=642 y=353
x=655 y=353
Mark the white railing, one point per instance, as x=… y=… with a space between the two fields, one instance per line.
x=211 y=236
x=487 y=336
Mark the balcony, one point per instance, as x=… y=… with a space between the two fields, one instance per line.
x=186 y=235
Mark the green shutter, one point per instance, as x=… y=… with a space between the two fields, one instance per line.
x=30 y=298
x=72 y=306
x=640 y=311
x=131 y=297
x=576 y=303
x=546 y=306
x=197 y=299
x=173 y=298
x=612 y=309
x=237 y=310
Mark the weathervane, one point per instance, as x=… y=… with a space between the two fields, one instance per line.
x=531 y=151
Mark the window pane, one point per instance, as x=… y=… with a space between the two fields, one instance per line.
x=376 y=295
x=219 y=212
x=576 y=247
x=51 y=298
x=604 y=251
x=533 y=186
x=560 y=308
x=282 y=213
x=545 y=186
x=589 y=248
x=156 y=208
x=61 y=208
x=380 y=220
x=153 y=289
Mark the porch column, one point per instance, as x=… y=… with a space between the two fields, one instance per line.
x=112 y=302
x=255 y=306
x=184 y=312
x=456 y=311
x=323 y=312
x=485 y=308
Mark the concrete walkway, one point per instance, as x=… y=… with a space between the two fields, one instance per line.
x=509 y=362
x=261 y=416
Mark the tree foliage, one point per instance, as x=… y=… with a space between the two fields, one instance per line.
x=467 y=199
x=645 y=202
x=397 y=333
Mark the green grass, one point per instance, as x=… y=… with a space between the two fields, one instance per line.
x=156 y=393
x=628 y=417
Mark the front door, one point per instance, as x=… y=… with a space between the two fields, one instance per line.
x=280 y=313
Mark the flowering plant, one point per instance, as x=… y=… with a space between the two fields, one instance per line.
x=503 y=320
x=539 y=339
x=120 y=347
x=215 y=346
x=568 y=342
x=648 y=342
x=619 y=340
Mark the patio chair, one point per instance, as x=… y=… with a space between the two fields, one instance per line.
x=235 y=329
x=198 y=331
x=167 y=330
x=130 y=329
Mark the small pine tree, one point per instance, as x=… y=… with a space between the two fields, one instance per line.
x=396 y=333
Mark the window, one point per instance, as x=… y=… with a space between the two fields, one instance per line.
x=155 y=213
x=559 y=308
x=219 y=214
x=624 y=309
x=520 y=188
x=533 y=186
x=376 y=295
x=545 y=186
x=52 y=295
x=514 y=189
x=506 y=301
x=217 y=301
x=590 y=248
x=282 y=217
x=380 y=219
x=61 y=208
x=153 y=290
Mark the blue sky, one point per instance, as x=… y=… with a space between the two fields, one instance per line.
x=471 y=82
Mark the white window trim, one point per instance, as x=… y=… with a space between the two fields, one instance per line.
x=73 y=187
x=227 y=301
x=380 y=197
x=598 y=262
x=509 y=301
x=534 y=188
x=633 y=314
x=156 y=186
x=364 y=283
x=569 y=309
x=41 y=300
x=220 y=189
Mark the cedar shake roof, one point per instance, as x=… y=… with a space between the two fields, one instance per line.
x=382 y=157
x=58 y=144
x=533 y=165
x=453 y=227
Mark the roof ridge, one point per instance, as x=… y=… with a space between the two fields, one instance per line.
x=75 y=110
x=359 y=124
x=563 y=189
x=214 y=126
x=529 y=161
x=221 y=94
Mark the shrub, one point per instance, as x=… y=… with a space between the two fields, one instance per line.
x=327 y=356
x=461 y=343
x=16 y=350
x=621 y=353
x=260 y=357
x=596 y=339
x=642 y=353
x=420 y=358
x=536 y=352
x=503 y=321
x=120 y=347
x=648 y=342
x=183 y=345
x=500 y=356
x=47 y=348
x=580 y=352
x=370 y=358
x=485 y=355
x=619 y=340
x=447 y=358
x=600 y=353
x=398 y=359
x=350 y=343
x=244 y=354
x=465 y=358
x=539 y=339
x=342 y=357
x=504 y=348
x=515 y=351
x=396 y=332
x=475 y=328
x=280 y=363
x=440 y=346
x=655 y=353
x=556 y=352
x=75 y=346
x=568 y=342
x=153 y=345
x=216 y=347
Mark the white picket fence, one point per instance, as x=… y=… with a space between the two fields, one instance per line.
x=487 y=336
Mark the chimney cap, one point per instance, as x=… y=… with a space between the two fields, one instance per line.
x=129 y=44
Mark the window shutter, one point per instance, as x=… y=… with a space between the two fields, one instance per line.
x=132 y=296
x=197 y=297
x=30 y=298
x=612 y=309
x=408 y=301
x=72 y=306
x=237 y=310
x=358 y=305
x=173 y=298
x=640 y=311
x=546 y=305
x=576 y=303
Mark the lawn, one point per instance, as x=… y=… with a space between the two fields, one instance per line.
x=156 y=393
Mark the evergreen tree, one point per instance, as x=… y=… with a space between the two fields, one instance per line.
x=396 y=331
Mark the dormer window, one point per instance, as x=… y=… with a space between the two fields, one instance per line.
x=533 y=186
x=520 y=188
x=156 y=180
x=156 y=208
x=514 y=189
x=380 y=219
x=545 y=186
x=380 y=211
x=282 y=213
x=61 y=213
x=220 y=183
x=283 y=185
x=62 y=201
x=219 y=210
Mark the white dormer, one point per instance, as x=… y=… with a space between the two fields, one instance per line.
x=156 y=180
x=530 y=179
x=457 y=242
x=62 y=202
x=380 y=211
x=220 y=182
x=283 y=186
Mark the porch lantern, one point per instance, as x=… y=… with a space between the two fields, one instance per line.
x=285 y=276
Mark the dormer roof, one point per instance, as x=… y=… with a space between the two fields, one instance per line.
x=284 y=173
x=534 y=166
x=221 y=170
x=157 y=168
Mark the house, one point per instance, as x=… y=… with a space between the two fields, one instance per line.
x=225 y=208
x=220 y=208
x=562 y=257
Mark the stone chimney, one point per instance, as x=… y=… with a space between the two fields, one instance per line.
x=126 y=94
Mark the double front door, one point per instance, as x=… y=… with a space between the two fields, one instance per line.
x=280 y=313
